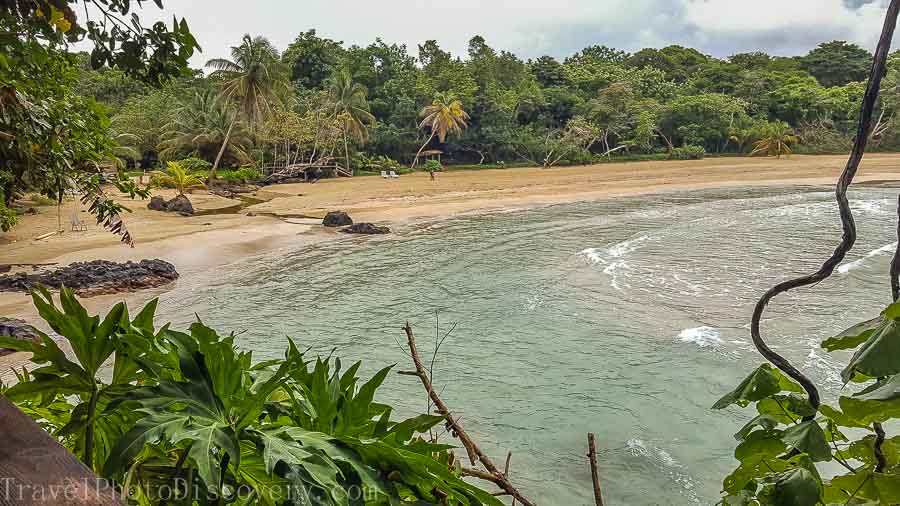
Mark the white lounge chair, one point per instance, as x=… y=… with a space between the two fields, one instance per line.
x=77 y=224
x=384 y=174
x=394 y=175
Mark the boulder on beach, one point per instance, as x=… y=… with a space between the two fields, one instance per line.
x=337 y=219
x=98 y=277
x=17 y=329
x=366 y=229
x=157 y=203
x=181 y=205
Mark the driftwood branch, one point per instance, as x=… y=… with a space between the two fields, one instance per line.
x=848 y=239
x=476 y=455
x=595 y=472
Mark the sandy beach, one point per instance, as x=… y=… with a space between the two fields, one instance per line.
x=291 y=213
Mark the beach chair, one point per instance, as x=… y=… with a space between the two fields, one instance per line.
x=384 y=174
x=394 y=175
x=77 y=224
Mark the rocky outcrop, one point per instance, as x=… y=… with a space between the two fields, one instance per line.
x=367 y=229
x=337 y=219
x=98 y=277
x=180 y=204
x=17 y=329
x=157 y=204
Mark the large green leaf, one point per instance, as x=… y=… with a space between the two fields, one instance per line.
x=766 y=443
x=187 y=412
x=852 y=337
x=797 y=487
x=763 y=382
x=808 y=437
x=879 y=356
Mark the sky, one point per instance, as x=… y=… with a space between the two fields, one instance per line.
x=533 y=28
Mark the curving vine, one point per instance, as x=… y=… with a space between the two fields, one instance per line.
x=879 y=69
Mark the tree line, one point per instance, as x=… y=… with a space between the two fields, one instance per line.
x=377 y=105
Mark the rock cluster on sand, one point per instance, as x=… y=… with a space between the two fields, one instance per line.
x=367 y=229
x=17 y=329
x=337 y=219
x=96 y=278
x=180 y=204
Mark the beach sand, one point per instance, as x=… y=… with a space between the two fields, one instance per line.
x=291 y=213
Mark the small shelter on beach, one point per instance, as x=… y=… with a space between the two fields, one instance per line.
x=432 y=154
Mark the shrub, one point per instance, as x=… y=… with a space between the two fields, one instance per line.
x=194 y=164
x=241 y=176
x=688 y=152
x=41 y=200
x=8 y=217
x=433 y=166
x=377 y=163
x=176 y=177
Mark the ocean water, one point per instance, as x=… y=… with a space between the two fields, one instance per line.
x=626 y=317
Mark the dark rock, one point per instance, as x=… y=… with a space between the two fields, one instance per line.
x=366 y=228
x=18 y=329
x=180 y=204
x=337 y=219
x=157 y=204
x=96 y=278
x=31 y=211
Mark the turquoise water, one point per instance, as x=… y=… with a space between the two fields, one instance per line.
x=627 y=318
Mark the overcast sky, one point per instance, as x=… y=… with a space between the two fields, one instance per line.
x=532 y=28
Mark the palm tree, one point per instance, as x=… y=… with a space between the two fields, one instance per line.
x=351 y=108
x=178 y=178
x=776 y=140
x=253 y=78
x=200 y=125
x=444 y=116
x=743 y=137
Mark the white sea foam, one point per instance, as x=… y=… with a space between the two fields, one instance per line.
x=592 y=254
x=856 y=264
x=703 y=337
x=613 y=257
x=667 y=463
x=870 y=206
x=623 y=248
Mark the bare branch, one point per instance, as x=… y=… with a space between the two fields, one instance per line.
x=476 y=455
x=595 y=472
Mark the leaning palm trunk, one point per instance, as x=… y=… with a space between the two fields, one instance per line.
x=215 y=167
x=416 y=161
x=347 y=151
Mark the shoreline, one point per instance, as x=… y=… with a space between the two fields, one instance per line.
x=199 y=243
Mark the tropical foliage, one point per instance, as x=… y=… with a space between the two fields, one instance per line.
x=792 y=453
x=493 y=106
x=186 y=416
x=251 y=79
x=52 y=138
x=444 y=116
x=178 y=178
x=350 y=108
x=777 y=139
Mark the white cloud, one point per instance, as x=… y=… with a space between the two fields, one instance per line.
x=532 y=28
x=800 y=17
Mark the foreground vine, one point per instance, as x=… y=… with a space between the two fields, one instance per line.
x=781 y=448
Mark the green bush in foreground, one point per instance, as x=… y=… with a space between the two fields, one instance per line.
x=793 y=454
x=188 y=412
